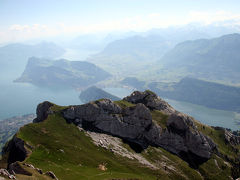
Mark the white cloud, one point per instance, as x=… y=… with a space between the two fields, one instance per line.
x=20 y=32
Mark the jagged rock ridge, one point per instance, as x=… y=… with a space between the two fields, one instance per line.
x=134 y=124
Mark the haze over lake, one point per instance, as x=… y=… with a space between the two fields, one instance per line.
x=13 y=94
x=209 y=116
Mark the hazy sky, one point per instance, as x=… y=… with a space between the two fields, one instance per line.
x=26 y=19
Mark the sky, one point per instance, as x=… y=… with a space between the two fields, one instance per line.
x=28 y=19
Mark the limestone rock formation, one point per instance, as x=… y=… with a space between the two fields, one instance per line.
x=135 y=125
x=151 y=100
x=105 y=116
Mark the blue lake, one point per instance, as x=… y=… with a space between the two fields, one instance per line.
x=209 y=116
x=20 y=99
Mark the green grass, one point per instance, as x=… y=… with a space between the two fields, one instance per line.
x=124 y=104
x=56 y=108
x=211 y=171
x=160 y=118
x=81 y=157
x=149 y=91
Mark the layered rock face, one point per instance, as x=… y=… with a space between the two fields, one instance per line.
x=181 y=136
x=135 y=125
x=131 y=123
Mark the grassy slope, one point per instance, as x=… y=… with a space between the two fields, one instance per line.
x=81 y=158
x=70 y=154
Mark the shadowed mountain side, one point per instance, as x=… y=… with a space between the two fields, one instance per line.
x=62 y=73
x=201 y=92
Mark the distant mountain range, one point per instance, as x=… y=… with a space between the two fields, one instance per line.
x=215 y=59
x=127 y=55
x=138 y=47
x=132 y=53
x=200 y=92
x=135 y=55
x=61 y=73
x=14 y=57
x=134 y=83
x=94 y=93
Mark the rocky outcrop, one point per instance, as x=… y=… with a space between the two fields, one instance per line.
x=182 y=138
x=134 y=124
x=16 y=168
x=231 y=138
x=6 y=174
x=151 y=100
x=15 y=150
x=43 y=111
x=51 y=175
x=131 y=123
